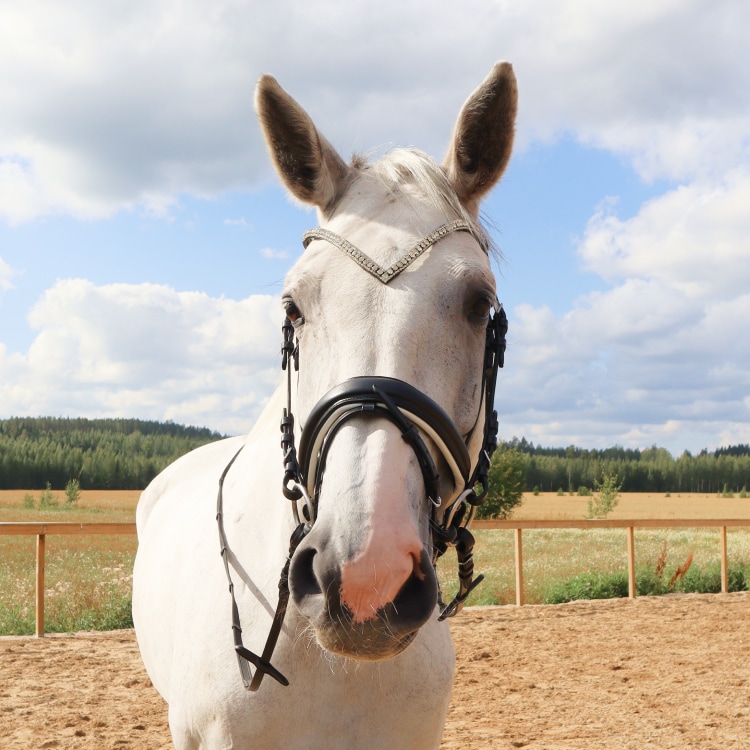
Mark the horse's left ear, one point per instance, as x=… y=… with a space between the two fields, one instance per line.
x=308 y=164
x=483 y=137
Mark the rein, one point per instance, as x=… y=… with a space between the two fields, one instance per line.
x=413 y=412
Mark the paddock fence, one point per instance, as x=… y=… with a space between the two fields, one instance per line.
x=42 y=529
x=630 y=525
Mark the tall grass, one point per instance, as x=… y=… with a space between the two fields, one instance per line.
x=85 y=589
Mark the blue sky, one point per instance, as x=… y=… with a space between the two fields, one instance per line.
x=144 y=237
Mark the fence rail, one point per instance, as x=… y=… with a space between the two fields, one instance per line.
x=630 y=525
x=42 y=529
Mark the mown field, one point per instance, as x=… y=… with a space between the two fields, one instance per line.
x=88 y=579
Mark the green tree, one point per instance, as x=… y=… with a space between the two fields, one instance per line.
x=606 y=498
x=73 y=491
x=507 y=483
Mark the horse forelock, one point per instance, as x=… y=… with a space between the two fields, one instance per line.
x=402 y=167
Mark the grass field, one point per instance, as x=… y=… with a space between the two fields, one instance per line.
x=88 y=579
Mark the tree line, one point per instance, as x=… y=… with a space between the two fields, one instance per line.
x=129 y=453
x=116 y=454
x=651 y=470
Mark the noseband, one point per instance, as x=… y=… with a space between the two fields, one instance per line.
x=414 y=414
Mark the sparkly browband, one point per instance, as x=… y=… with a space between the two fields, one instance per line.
x=385 y=274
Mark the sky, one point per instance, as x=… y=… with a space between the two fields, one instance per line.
x=144 y=237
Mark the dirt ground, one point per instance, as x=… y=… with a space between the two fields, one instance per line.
x=663 y=673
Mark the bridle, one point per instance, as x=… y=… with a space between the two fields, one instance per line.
x=414 y=414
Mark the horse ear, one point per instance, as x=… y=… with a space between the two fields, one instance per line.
x=308 y=165
x=483 y=137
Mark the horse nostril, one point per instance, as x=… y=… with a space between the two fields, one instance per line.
x=302 y=579
x=415 y=601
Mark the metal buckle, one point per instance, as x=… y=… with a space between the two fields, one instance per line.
x=451 y=512
x=307 y=504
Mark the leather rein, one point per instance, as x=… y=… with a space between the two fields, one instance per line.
x=414 y=414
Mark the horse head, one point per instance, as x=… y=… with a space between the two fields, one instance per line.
x=392 y=297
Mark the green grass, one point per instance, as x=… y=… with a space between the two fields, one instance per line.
x=613 y=585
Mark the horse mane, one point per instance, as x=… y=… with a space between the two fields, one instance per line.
x=410 y=166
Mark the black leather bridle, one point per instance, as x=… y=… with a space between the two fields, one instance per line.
x=414 y=414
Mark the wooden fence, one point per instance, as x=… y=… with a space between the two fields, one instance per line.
x=41 y=530
x=629 y=524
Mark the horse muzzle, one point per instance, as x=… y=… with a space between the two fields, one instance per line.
x=316 y=582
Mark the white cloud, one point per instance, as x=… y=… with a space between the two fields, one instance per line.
x=661 y=356
x=696 y=237
x=6 y=276
x=108 y=106
x=242 y=223
x=121 y=349
x=657 y=82
x=270 y=254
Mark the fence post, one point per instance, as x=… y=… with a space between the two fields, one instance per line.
x=40 y=542
x=519 y=568
x=724 y=566
x=631 y=563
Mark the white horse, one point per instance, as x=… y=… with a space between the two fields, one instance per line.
x=392 y=322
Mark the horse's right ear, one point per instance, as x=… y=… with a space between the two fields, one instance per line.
x=483 y=137
x=308 y=165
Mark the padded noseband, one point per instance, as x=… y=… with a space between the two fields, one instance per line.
x=397 y=401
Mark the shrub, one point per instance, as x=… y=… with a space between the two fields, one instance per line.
x=560 y=492
x=47 y=499
x=587 y=586
x=73 y=491
x=584 y=491
x=648 y=583
x=707 y=580
x=28 y=501
x=606 y=498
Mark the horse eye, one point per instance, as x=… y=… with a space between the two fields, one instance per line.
x=481 y=308
x=293 y=313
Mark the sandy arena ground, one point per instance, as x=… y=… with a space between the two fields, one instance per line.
x=668 y=673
